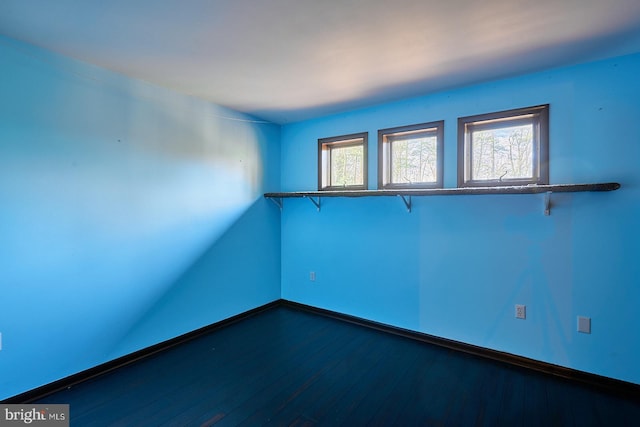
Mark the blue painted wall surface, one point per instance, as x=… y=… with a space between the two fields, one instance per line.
x=456 y=266
x=114 y=195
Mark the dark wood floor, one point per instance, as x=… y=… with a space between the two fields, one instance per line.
x=287 y=367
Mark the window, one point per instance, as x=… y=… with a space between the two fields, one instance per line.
x=411 y=156
x=504 y=148
x=342 y=162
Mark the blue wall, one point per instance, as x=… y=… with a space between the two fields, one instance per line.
x=122 y=209
x=456 y=266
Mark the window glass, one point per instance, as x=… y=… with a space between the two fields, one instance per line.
x=411 y=156
x=504 y=148
x=346 y=165
x=342 y=162
x=505 y=153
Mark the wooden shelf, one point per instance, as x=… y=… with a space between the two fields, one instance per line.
x=520 y=189
x=406 y=194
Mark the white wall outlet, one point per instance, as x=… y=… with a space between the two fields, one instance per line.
x=312 y=276
x=584 y=324
x=521 y=311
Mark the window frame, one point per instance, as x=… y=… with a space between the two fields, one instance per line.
x=326 y=144
x=385 y=155
x=538 y=116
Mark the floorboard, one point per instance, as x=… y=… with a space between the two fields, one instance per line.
x=289 y=367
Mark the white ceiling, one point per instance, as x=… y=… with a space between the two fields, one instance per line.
x=289 y=60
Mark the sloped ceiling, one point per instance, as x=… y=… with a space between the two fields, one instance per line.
x=289 y=60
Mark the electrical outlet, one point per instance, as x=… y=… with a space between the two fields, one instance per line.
x=312 y=276
x=521 y=311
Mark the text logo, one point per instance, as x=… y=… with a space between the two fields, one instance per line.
x=34 y=415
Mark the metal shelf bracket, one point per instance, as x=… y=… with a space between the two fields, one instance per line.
x=277 y=201
x=407 y=201
x=314 y=202
x=547 y=203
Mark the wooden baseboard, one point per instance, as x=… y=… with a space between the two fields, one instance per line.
x=607 y=384
x=47 y=389
x=611 y=385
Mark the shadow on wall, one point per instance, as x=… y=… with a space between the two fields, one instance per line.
x=238 y=272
